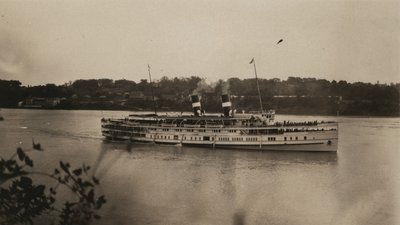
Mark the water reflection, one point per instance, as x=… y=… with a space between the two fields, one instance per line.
x=239 y=218
x=223 y=154
x=200 y=185
x=105 y=159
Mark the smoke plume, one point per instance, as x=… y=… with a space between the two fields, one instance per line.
x=219 y=87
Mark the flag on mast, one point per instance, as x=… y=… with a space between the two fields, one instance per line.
x=252 y=60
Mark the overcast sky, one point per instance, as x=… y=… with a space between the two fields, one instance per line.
x=59 y=41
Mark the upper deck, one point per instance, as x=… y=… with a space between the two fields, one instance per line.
x=243 y=121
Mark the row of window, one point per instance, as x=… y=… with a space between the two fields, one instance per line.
x=237 y=139
x=255 y=132
x=191 y=130
x=124 y=128
x=161 y=137
x=296 y=138
x=251 y=139
x=221 y=138
x=226 y=138
x=175 y=137
x=194 y=138
x=123 y=133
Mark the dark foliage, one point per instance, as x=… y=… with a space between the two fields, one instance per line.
x=21 y=200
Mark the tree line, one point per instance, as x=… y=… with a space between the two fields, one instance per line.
x=294 y=95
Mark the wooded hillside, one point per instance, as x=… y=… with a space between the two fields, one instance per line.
x=292 y=96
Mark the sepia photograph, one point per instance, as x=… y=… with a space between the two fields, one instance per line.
x=199 y=112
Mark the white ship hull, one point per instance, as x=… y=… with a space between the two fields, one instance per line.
x=315 y=138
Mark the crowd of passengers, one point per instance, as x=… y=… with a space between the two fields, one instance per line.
x=249 y=123
x=290 y=123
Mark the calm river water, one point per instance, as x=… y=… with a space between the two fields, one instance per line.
x=152 y=184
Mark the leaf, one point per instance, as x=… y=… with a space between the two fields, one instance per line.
x=87 y=184
x=100 y=201
x=21 y=154
x=77 y=172
x=56 y=171
x=52 y=191
x=86 y=168
x=10 y=165
x=95 y=180
x=64 y=167
x=36 y=146
x=26 y=181
x=28 y=161
x=39 y=190
x=91 y=196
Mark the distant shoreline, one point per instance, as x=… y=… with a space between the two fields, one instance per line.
x=187 y=111
x=294 y=96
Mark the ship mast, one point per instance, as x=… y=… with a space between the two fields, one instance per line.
x=253 y=61
x=152 y=91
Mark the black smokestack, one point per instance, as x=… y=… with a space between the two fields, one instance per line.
x=226 y=105
x=196 y=105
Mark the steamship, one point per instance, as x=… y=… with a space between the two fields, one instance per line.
x=227 y=130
